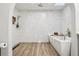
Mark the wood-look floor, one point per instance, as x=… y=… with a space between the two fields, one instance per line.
x=34 y=49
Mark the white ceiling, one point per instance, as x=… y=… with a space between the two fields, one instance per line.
x=34 y=6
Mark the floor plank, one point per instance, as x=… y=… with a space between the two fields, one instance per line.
x=34 y=49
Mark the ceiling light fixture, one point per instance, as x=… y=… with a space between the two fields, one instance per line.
x=40 y=5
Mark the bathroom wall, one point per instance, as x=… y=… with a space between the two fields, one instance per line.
x=70 y=22
x=74 y=46
x=77 y=23
x=66 y=19
x=4 y=19
x=15 y=33
x=36 y=25
x=77 y=17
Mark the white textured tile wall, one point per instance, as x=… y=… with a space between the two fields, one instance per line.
x=36 y=25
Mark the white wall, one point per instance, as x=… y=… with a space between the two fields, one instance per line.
x=74 y=47
x=77 y=17
x=11 y=13
x=14 y=30
x=36 y=25
x=4 y=19
x=66 y=19
x=69 y=22
x=77 y=23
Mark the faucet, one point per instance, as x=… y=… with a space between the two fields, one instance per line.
x=64 y=37
x=68 y=32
